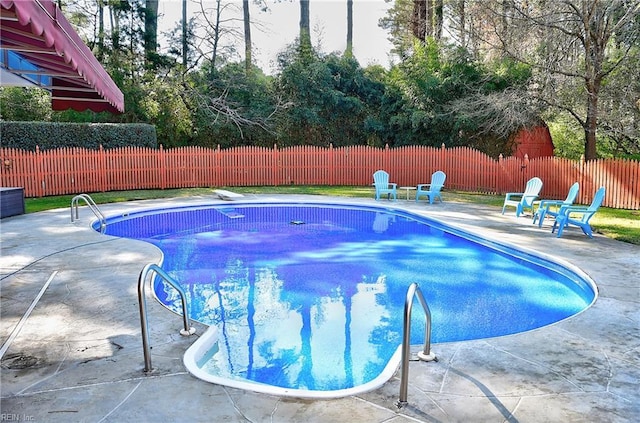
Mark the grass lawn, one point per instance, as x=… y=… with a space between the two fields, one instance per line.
x=622 y=225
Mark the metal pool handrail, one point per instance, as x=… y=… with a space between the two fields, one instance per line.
x=92 y=205
x=425 y=354
x=142 y=302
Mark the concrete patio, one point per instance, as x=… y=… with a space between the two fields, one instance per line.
x=72 y=348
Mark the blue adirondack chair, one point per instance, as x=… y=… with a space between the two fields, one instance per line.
x=551 y=207
x=432 y=190
x=566 y=213
x=520 y=200
x=383 y=186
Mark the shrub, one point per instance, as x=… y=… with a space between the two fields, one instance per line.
x=51 y=135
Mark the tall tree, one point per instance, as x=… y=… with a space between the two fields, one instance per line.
x=213 y=34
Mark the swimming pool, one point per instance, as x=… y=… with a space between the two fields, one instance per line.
x=306 y=299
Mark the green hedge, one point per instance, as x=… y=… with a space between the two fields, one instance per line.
x=51 y=135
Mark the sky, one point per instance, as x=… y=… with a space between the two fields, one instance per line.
x=275 y=29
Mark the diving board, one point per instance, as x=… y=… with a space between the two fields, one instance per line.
x=227 y=195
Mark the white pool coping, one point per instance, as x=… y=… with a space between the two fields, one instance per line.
x=207 y=341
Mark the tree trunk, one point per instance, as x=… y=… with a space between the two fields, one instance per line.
x=438 y=20
x=429 y=18
x=419 y=23
x=305 y=31
x=216 y=36
x=185 y=48
x=593 y=67
x=114 y=17
x=247 y=36
x=349 y=51
x=150 y=27
x=595 y=43
x=100 y=54
x=463 y=22
x=591 y=124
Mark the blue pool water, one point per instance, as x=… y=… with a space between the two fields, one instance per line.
x=311 y=296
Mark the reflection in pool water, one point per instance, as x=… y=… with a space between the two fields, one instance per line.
x=310 y=297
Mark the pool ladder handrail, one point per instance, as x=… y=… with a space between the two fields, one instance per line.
x=92 y=205
x=142 y=303
x=425 y=354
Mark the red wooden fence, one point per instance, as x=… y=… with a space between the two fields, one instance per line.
x=76 y=170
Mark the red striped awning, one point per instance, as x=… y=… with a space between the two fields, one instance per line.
x=38 y=46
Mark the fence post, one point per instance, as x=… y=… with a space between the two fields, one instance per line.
x=496 y=178
x=331 y=166
x=216 y=166
x=583 y=183
x=101 y=170
x=385 y=157
x=40 y=173
x=275 y=158
x=162 y=168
